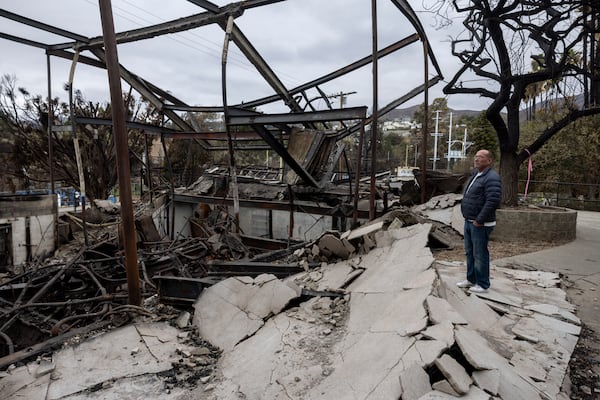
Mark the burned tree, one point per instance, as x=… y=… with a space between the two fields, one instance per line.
x=501 y=38
x=25 y=120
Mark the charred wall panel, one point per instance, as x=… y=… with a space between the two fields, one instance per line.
x=31 y=221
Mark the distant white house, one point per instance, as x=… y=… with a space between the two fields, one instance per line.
x=398 y=125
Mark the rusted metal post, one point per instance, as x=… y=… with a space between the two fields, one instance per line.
x=51 y=148
x=232 y=167
x=374 y=115
x=425 y=122
x=77 y=148
x=291 y=224
x=357 y=177
x=121 y=147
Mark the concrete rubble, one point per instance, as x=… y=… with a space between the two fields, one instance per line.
x=389 y=324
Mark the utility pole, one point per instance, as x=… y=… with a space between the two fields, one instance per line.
x=435 y=136
x=342 y=97
x=449 y=142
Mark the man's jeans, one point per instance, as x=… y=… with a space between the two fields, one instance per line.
x=478 y=255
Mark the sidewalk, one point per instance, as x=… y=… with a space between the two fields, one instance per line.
x=578 y=262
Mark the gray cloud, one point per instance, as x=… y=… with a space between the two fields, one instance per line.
x=301 y=40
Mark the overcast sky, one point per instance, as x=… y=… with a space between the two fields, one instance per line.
x=300 y=39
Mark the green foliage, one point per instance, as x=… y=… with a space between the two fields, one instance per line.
x=571 y=155
x=483 y=136
x=438 y=104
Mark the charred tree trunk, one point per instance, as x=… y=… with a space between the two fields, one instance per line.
x=509 y=172
x=595 y=57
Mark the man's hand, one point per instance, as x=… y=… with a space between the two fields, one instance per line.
x=477 y=224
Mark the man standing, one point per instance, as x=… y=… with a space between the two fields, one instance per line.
x=480 y=201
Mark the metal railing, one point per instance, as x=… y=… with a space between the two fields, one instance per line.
x=577 y=196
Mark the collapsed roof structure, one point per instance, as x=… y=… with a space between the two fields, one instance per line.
x=277 y=131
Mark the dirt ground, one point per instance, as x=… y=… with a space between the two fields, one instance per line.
x=585 y=383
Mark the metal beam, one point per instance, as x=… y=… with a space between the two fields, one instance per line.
x=23 y=41
x=337 y=73
x=122 y=153
x=207 y=5
x=211 y=109
x=244 y=117
x=40 y=25
x=80 y=59
x=283 y=153
x=262 y=67
x=298 y=206
x=174 y=26
x=412 y=17
x=178 y=25
x=249 y=268
x=140 y=86
x=166 y=132
x=100 y=64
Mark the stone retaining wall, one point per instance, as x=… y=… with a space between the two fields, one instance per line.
x=545 y=224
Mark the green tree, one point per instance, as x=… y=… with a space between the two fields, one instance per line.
x=483 y=136
x=571 y=155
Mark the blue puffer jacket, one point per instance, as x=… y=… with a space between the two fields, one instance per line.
x=481 y=201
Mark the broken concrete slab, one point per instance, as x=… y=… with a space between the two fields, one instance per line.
x=44 y=367
x=542 y=279
x=389 y=268
x=97 y=363
x=440 y=310
x=424 y=279
x=476 y=349
x=232 y=310
x=535 y=330
x=296 y=384
x=351 y=378
x=100 y=360
x=22 y=383
x=554 y=311
x=405 y=314
x=402 y=312
x=364 y=230
x=471 y=308
x=328 y=277
x=497 y=296
x=414 y=382
x=474 y=394
x=454 y=373
x=282 y=347
x=331 y=244
x=443 y=331
x=446 y=387
x=556 y=325
x=147 y=387
x=301 y=353
x=430 y=350
x=529 y=366
x=488 y=380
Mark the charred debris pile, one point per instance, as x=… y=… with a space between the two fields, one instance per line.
x=83 y=287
